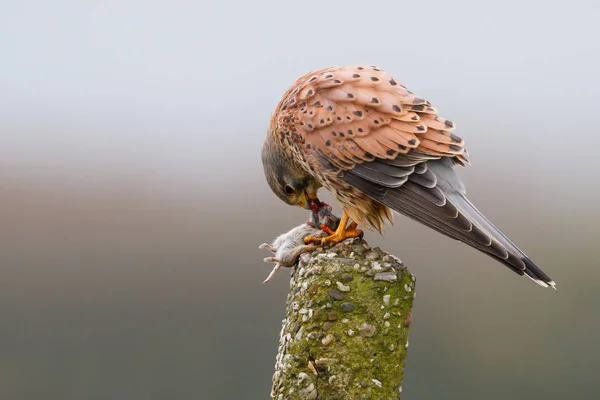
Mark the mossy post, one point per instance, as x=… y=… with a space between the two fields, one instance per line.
x=345 y=332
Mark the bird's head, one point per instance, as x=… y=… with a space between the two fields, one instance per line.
x=288 y=181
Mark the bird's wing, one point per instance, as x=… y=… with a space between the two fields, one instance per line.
x=351 y=115
x=433 y=195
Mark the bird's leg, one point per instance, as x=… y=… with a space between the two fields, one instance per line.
x=342 y=233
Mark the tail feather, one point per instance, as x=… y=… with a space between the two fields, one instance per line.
x=455 y=192
x=517 y=258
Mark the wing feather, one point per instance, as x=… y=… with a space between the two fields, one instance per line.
x=363 y=113
x=445 y=208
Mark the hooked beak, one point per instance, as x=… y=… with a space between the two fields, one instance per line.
x=310 y=201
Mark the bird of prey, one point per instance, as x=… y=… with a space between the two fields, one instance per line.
x=377 y=147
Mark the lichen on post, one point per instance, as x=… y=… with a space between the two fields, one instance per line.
x=345 y=331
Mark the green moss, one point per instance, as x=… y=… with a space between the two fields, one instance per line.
x=332 y=350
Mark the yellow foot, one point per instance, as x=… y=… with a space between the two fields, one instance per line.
x=342 y=233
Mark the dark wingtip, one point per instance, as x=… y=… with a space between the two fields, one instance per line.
x=537 y=275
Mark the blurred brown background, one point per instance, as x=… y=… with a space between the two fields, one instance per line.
x=132 y=198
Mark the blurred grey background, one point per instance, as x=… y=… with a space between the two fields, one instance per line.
x=132 y=197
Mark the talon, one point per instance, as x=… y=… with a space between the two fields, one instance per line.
x=311 y=239
x=352 y=232
x=327 y=230
x=342 y=233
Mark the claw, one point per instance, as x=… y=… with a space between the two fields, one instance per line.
x=312 y=239
x=342 y=233
x=327 y=230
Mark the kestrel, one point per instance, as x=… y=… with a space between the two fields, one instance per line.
x=377 y=147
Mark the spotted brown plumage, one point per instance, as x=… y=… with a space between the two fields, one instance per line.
x=377 y=147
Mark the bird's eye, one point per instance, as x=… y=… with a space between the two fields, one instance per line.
x=289 y=190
